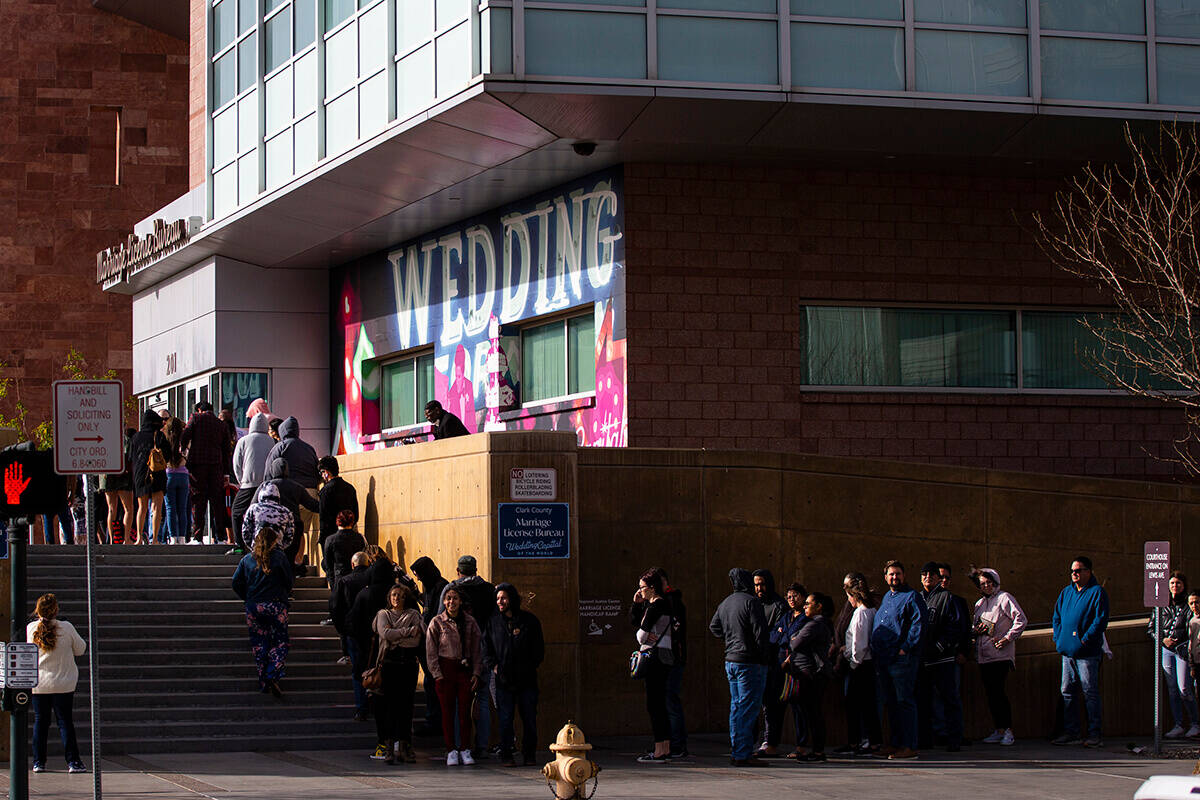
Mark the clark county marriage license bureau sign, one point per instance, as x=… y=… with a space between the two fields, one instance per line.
x=534 y=530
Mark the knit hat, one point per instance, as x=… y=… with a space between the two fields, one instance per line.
x=466 y=565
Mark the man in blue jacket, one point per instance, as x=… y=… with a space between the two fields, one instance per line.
x=1079 y=621
x=896 y=647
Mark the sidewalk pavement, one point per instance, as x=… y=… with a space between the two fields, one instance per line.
x=1032 y=769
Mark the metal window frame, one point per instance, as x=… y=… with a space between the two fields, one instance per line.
x=411 y=357
x=561 y=318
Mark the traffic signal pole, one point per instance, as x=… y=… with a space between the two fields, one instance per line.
x=18 y=732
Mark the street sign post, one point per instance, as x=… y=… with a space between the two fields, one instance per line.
x=1156 y=594
x=89 y=439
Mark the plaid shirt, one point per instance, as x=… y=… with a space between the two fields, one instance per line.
x=206 y=440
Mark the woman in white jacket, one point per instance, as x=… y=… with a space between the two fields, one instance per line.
x=997 y=624
x=58 y=646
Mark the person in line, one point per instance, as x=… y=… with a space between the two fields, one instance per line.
x=512 y=650
x=945 y=630
x=740 y=621
x=273 y=428
x=1079 y=620
x=997 y=622
x=344 y=593
x=453 y=653
x=148 y=484
x=479 y=600
x=654 y=638
x=178 y=485
x=1193 y=635
x=294 y=497
x=1173 y=641
x=263 y=580
x=966 y=647
x=637 y=610
x=336 y=496
x=775 y=609
x=340 y=549
x=205 y=440
x=59 y=644
x=806 y=659
x=841 y=622
x=301 y=461
x=896 y=635
x=380 y=578
x=862 y=708
x=781 y=636
x=249 y=470
x=432 y=586
x=118 y=494
x=445 y=425
x=269 y=511
x=400 y=631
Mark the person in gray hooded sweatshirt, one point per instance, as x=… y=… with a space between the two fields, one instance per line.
x=741 y=623
x=249 y=470
x=301 y=460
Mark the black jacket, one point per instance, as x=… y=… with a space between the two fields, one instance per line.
x=138 y=450
x=741 y=623
x=774 y=606
x=432 y=586
x=448 y=426
x=809 y=647
x=637 y=612
x=341 y=600
x=336 y=495
x=291 y=494
x=513 y=645
x=945 y=627
x=381 y=577
x=338 y=550
x=299 y=455
x=478 y=596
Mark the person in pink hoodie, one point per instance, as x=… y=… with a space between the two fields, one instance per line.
x=997 y=624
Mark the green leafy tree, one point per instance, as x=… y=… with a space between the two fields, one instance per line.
x=42 y=432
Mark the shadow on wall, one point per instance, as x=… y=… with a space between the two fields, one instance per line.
x=370 y=520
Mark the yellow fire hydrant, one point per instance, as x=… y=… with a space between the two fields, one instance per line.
x=570 y=769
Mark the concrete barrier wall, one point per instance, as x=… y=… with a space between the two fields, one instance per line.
x=807 y=518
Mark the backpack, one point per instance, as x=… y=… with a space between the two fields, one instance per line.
x=156 y=461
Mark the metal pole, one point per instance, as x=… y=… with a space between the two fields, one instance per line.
x=18 y=742
x=1157 y=681
x=93 y=640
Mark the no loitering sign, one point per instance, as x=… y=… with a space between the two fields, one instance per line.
x=88 y=427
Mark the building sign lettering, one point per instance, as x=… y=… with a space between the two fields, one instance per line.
x=137 y=252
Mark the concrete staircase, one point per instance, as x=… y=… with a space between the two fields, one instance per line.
x=176 y=670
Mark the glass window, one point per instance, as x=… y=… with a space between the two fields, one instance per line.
x=341 y=123
x=407 y=387
x=224 y=26
x=306 y=23
x=373 y=41
x=225 y=136
x=718 y=50
x=585 y=44
x=279 y=101
x=453 y=59
x=414 y=25
x=1051 y=343
x=414 y=82
x=757 y=6
x=247 y=15
x=558 y=359
x=951 y=62
x=1097 y=16
x=373 y=105
x=451 y=12
x=279 y=39
x=239 y=390
x=341 y=60
x=224 y=79
x=498 y=46
x=1178 y=75
x=1090 y=69
x=1177 y=18
x=847 y=56
x=1007 y=13
x=306 y=144
x=279 y=159
x=305 y=76
x=225 y=187
x=847 y=346
x=248 y=122
x=248 y=177
x=247 y=62
x=271 y=5
x=864 y=9
x=337 y=11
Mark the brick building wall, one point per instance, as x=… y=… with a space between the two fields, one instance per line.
x=66 y=71
x=720 y=259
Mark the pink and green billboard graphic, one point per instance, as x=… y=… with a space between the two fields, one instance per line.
x=513 y=320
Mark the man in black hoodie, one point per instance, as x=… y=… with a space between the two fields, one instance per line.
x=292 y=496
x=432 y=586
x=513 y=649
x=741 y=623
x=945 y=629
x=345 y=590
x=774 y=608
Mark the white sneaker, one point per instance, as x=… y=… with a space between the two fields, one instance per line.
x=452 y=758
x=995 y=738
x=1193 y=731
x=467 y=759
x=1175 y=733
x=1008 y=739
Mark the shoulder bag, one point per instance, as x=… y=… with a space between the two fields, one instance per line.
x=372 y=677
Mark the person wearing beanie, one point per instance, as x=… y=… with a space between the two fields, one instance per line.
x=997 y=623
x=513 y=649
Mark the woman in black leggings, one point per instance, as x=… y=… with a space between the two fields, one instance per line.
x=654 y=636
x=808 y=661
x=401 y=632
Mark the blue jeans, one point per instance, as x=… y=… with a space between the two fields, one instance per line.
x=65 y=521
x=508 y=703
x=176 y=497
x=61 y=705
x=356 y=670
x=675 y=709
x=1084 y=674
x=1180 y=692
x=897 y=693
x=746 y=684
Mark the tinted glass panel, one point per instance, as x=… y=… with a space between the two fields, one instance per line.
x=399 y=394
x=247 y=62
x=1178 y=75
x=1099 y=16
x=306 y=23
x=581 y=354
x=718 y=50
x=1008 y=13
x=972 y=63
x=867 y=9
x=336 y=11
x=757 y=6
x=1090 y=69
x=1177 y=18
x=247 y=14
x=224 y=79
x=279 y=39
x=224 y=26
x=544 y=362
x=587 y=45
x=847 y=56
